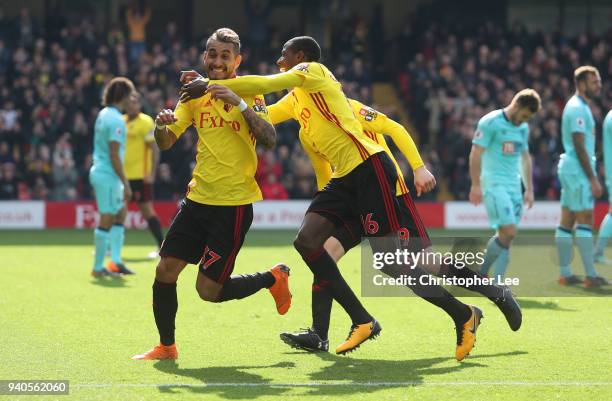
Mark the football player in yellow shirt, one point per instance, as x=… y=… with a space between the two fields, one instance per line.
x=141 y=160
x=217 y=212
x=362 y=186
x=376 y=126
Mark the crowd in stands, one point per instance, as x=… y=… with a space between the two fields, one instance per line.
x=51 y=83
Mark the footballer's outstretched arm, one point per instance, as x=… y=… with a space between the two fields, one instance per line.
x=251 y=85
x=247 y=85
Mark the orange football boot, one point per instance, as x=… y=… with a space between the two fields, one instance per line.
x=280 y=288
x=358 y=334
x=118 y=268
x=466 y=334
x=158 y=352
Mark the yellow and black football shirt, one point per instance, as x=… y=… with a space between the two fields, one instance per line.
x=226 y=161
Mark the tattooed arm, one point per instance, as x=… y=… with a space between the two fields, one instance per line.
x=262 y=130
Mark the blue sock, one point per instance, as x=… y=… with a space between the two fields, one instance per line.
x=584 y=242
x=501 y=263
x=117 y=235
x=605 y=232
x=101 y=237
x=565 y=244
x=494 y=248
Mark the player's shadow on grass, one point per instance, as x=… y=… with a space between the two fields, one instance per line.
x=111 y=282
x=605 y=291
x=231 y=382
x=548 y=305
x=371 y=375
x=139 y=260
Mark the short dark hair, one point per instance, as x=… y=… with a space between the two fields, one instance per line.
x=308 y=45
x=581 y=73
x=528 y=98
x=225 y=35
x=116 y=90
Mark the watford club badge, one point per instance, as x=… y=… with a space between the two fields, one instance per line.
x=368 y=114
x=259 y=106
x=227 y=107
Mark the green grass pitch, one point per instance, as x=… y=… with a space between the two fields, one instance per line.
x=58 y=323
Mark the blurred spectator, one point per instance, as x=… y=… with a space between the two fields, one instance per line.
x=115 y=36
x=26 y=28
x=5 y=153
x=39 y=177
x=9 y=117
x=164 y=185
x=257 y=12
x=272 y=189
x=138 y=16
x=8 y=182
x=268 y=164
x=66 y=179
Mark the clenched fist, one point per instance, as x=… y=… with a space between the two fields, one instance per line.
x=165 y=117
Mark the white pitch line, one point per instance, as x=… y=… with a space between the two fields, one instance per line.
x=342 y=384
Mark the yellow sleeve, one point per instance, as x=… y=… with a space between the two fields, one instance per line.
x=149 y=133
x=321 y=166
x=375 y=121
x=403 y=141
x=184 y=118
x=251 y=85
x=281 y=110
